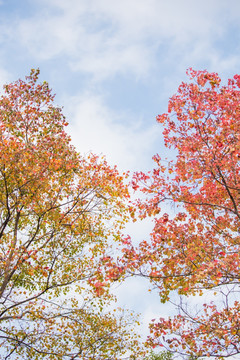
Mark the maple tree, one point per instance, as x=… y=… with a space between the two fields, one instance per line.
x=59 y=214
x=194 y=246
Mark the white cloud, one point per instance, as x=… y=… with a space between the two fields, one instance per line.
x=94 y=127
x=108 y=37
x=4 y=77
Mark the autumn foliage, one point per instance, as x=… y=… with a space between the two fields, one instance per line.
x=62 y=215
x=59 y=215
x=194 y=246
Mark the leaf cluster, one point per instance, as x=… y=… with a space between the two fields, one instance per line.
x=60 y=213
x=194 y=247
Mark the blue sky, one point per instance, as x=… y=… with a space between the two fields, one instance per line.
x=113 y=65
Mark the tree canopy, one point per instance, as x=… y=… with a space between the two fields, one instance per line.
x=60 y=213
x=62 y=216
x=194 y=246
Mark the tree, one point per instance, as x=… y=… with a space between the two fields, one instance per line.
x=164 y=355
x=59 y=215
x=194 y=247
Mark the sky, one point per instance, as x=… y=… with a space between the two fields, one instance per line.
x=113 y=66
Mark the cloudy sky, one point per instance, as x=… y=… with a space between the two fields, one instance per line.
x=113 y=65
